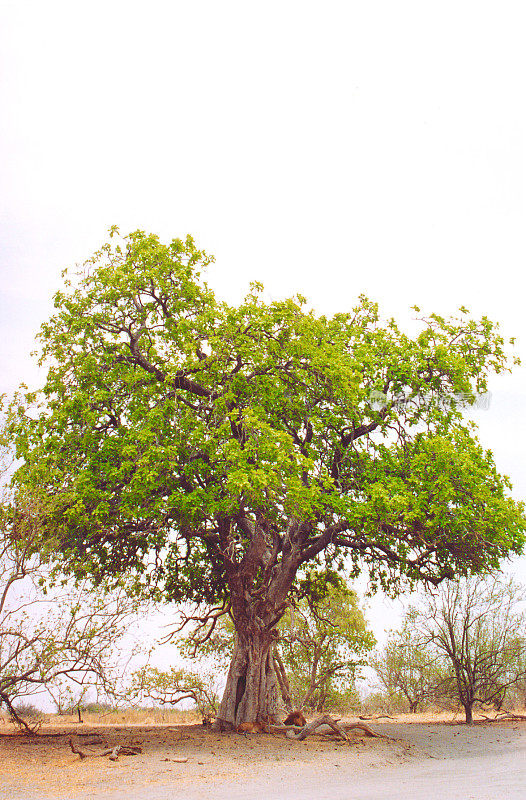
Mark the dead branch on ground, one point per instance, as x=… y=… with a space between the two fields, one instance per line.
x=349 y=726
x=325 y=720
x=112 y=752
x=77 y=750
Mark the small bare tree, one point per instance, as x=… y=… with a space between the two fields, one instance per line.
x=477 y=627
x=406 y=668
x=50 y=634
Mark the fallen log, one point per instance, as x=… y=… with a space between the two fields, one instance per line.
x=327 y=730
x=77 y=750
x=349 y=726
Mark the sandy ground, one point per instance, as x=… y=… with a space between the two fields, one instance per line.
x=420 y=760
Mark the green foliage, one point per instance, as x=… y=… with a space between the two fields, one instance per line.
x=171 y=423
x=315 y=585
x=62 y=639
x=323 y=642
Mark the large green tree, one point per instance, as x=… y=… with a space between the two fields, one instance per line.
x=211 y=452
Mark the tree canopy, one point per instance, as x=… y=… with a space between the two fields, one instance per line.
x=212 y=452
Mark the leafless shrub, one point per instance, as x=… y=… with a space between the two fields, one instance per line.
x=60 y=638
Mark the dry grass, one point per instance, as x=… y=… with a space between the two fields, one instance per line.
x=138 y=716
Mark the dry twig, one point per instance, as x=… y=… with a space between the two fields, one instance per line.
x=113 y=752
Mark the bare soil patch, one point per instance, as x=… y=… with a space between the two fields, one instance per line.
x=187 y=759
x=45 y=765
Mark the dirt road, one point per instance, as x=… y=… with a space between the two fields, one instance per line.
x=479 y=763
x=421 y=762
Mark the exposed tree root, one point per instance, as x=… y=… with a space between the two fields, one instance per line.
x=299 y=734
x=502 y=716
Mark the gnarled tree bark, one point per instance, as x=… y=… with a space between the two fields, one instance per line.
x=251 y=691
x=259 y=584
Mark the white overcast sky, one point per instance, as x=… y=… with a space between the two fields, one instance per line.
x=330 y=148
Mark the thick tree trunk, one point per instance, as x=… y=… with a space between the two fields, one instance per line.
x=259 y=585
x=252 y=691
x=468 y=710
